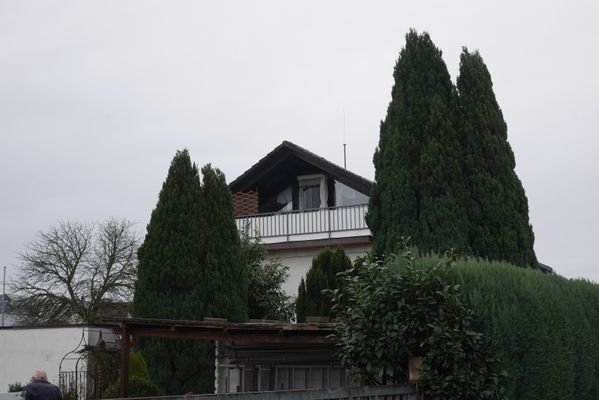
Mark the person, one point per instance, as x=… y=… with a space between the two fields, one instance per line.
x=40 y=389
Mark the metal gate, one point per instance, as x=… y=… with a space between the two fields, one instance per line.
x=81 y=385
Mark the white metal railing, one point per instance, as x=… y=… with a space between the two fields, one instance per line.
x=287 y=225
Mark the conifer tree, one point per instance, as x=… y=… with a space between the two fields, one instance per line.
x=223 y=273
x=300 y=303
x=169 y=283
x=189 y=268
x=321 y=275
x=419 y=188
x=497 y=206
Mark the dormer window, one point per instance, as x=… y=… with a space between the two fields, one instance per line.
x=313 y=191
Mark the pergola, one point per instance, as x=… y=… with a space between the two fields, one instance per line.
x=216 y=329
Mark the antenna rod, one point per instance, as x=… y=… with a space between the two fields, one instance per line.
x=344 y=157
x=3 y=295
x=344 y=145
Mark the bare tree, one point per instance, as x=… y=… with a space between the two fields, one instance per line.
x=76 y=272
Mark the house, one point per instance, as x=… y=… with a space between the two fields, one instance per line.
x=299 y=203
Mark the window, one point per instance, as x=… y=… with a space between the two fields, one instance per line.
x=310 y=197
x=346 y=196
x=284 y=200
x=313 y=191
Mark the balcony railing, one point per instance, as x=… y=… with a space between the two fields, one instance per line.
x=320 y=223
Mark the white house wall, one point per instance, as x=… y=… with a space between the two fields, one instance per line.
x=22 y=350
x=300 y=260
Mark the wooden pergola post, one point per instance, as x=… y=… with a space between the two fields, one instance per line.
x=124 y=376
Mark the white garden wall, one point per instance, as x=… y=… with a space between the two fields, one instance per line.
x=22 y=350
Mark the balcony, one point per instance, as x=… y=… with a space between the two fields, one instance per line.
x=301 y=225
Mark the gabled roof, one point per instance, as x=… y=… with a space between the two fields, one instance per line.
x=286 y=151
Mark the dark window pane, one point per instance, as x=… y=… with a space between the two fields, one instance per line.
x=310 y=197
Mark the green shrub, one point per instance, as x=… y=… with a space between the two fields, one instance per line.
x=15 y=387
x=137 y=366
x=322 y=275
x=138 y=387
x=139 y=380
x=390 y=311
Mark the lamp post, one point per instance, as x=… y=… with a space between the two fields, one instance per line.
x=3 y=295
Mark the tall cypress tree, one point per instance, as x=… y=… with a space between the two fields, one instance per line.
x=419 y=188
x=497 y=205
x=223 y=274
x=168 y=281
x=190 y=267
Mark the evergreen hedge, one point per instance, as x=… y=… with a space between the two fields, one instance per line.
x=544 y=328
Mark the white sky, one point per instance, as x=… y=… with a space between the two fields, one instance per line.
x=96 y=97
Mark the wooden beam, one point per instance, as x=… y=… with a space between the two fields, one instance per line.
x=124 y=375
x=229 y=336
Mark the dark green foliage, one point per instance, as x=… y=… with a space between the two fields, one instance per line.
x=300 y=303
x=444 y=169
x=139 y=380
x=419 y=187
x=266 y=297
x=15 y=387
x=137 y=366
x=321 y=275
x=168 y=276
x=101 y=362
x=389 y=311
x=497 y=205
x=169 y=282
x=545 y=328
x=223 y=275
x=189 y=268
x=138 y=387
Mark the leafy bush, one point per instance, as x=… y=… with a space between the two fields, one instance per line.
x=389 y=311
x=137 y=366
x=15 y=387
x=266 y=297
x=138 y=387
x=139 y=380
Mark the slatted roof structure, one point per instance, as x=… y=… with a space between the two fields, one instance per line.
x=254 y=332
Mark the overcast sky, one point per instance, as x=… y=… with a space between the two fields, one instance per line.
x=96 y=97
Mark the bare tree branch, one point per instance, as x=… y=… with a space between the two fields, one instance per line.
x=73 y=271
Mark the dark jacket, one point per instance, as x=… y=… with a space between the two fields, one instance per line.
x=42 y=390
